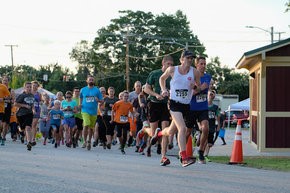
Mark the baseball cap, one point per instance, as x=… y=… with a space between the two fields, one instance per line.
x=187 y=53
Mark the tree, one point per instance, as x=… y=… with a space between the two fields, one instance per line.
x=227 y=81
x=143 y=39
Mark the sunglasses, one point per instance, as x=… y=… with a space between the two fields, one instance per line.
x=68 y=97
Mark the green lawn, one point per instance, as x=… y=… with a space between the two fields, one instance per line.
x=261 y=162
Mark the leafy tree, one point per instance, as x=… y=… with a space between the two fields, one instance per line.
x=142 y=38
x=227 y=81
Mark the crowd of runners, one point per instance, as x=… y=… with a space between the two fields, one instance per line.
x=175 y=101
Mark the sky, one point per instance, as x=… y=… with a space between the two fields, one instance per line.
x=44 y=32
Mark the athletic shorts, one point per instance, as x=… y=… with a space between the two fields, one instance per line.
x=197 y=116
x=89 y=120
x=69 y=121
x=79 y=123
x=158 y=112
x=6 y=116
x=25 y=120
x=185 y=111
x=122 y=127
x=55 y=128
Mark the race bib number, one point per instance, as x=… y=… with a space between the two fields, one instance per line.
x=56 y=116
x=68 y=113
x=109 y=113
x=123 y=119
x=211 y=115
x=200 y=98
x=90 y=99
x=5 y=104
x=36 y=104
x=181 y=93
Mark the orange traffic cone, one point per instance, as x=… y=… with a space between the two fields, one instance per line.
x=237 y=151
x=189 y=152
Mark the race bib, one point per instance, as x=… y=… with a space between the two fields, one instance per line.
x=68 y=113
x=109 y=113
x=181 y=93
x=56 y=116
x=36 y=104
x=211 y=115
x=123 y=119
x=90 y=99
x=200 y=98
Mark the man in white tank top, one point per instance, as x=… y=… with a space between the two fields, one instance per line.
x=185 y=78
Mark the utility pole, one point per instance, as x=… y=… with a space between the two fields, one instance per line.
x=127 y=60
x=12 y=64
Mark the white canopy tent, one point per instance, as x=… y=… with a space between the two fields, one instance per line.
x=243 y=105
x=18 y=91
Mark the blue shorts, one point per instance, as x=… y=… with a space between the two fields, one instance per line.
x=69 y=121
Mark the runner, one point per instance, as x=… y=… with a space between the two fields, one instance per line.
x=90 y=97
x=184 y=79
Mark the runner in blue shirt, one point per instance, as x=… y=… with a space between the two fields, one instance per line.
x=90 y=96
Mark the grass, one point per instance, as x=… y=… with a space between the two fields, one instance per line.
x=261 y=162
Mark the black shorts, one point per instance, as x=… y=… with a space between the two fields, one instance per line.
x=198 y=116
x=6 y=115
x=185 y=111
x=110 y=127
x=79 y=123
x=158 y=112
x=25 y=120
x=122 y=129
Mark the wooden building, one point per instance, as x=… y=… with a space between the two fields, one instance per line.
x=269 y=69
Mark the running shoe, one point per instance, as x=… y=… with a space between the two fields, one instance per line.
x=188 y=161
x=201 y=158
x=123 y=152
x=84 y=145
x=158 y=149
x=109 y=146
x=29 y=146
x=142 y=147
x=170 y=145
x=3 y=141
x=148 y=152
x=207 y=159
x=155 y=137
x=33 y=143
x=164 y=161
x=55 y=145
x=89 y=146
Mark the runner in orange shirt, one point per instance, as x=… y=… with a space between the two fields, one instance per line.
x=120 y=115
x=4 y=94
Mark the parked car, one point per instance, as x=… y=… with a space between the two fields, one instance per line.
x=236 y=114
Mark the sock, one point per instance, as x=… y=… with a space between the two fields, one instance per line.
x=159 y=134
x=183 y=155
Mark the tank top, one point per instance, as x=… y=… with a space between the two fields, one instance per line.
x=180 y=89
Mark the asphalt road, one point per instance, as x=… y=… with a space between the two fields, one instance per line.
x=67 y=170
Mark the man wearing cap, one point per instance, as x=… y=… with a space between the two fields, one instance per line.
x=184 y=79
x=199 y=106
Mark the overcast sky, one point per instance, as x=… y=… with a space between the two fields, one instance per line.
x=46 y=31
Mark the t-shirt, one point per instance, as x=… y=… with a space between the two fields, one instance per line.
x=55 y=117
x=27 y=99
x=4 y=92
x=153 y=80
x=199 y=102
x=89 y=103
x=213 y=112
x=108 y=103
x=122 y=109
x=72 y=104
x=79 y=114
